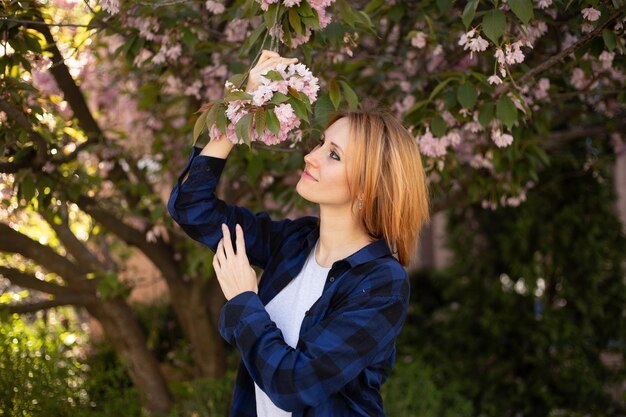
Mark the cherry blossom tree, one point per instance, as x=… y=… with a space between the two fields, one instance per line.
x=99 y=101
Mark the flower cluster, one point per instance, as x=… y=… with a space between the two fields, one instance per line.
x=270 y=114
x=472 y=42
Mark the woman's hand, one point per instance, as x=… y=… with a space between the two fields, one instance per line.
x=268 y=61
x=233 y=270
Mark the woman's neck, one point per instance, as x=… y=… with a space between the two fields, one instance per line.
x=340 y=236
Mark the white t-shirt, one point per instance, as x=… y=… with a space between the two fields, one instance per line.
x=287 y=310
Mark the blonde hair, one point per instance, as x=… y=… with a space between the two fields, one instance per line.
x=388 y=172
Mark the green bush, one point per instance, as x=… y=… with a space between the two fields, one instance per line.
x=39 y=372
x=534 y=295
x=411 y=391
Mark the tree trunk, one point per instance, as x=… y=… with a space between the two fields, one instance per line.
x=126 y=336
x=197 y=306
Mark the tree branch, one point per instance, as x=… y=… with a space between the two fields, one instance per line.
x=159 y=252
x=75 y=247
x=503 y=88
x=12 y=241
x=40 y=157
x=25 y=280
x=44 y=305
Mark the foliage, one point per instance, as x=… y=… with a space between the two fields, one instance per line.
x=411 y=390
x=40 y=373
x=534 y=298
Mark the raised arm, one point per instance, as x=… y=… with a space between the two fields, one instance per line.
x=195 y=207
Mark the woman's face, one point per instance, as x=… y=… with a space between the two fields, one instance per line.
x=325 y=177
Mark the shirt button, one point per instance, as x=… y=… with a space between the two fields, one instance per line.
x=331 y=279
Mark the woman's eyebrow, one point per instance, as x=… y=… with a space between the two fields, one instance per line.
x=337 y=146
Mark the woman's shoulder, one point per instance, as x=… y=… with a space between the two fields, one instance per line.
x=380 y=277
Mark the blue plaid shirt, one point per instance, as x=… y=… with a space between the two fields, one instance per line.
x=347 y=339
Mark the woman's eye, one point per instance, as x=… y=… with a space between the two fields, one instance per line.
x=335 y=154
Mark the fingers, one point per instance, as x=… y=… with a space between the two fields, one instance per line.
x=217 y=264
x=228 y=245
x=265 y=55
x=273 y=62
x=241 y=243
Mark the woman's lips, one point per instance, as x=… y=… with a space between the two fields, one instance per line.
x=308 y=176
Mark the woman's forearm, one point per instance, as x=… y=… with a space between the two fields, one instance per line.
x=218 y=148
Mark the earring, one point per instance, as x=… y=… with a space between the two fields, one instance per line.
x=360 y=204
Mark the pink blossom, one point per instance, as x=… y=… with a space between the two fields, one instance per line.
x=265 y=4
x=544 y=4
x=65 y=4
x=499 y=55
x=586 y=27
x=514 y=53
x=501 y=140
x=578 y=79
x=262 y=95
x=110 y=6
x=494 y=79
x=542 y=89
x=477 y=45
x=291 y=3
x=606 y=58
x=431 y=146
x=419 y=40
x=465 y=37
x=591 y=14
x=215 y=7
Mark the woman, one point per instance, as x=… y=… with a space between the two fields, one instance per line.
x=317 y=333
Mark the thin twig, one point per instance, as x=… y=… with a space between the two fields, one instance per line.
x=37 y=23
x=564 y=53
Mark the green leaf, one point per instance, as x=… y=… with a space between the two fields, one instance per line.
x=485 y=114
x=236 y=78
x=274 y=75
x=373 y=5
x=268 y=16
x=294 y=21
x=272 y=122
x=609 y=39
x=494 y=23
x=294 y=93
x=469 y=12
x=212 y=115
x=221 y=120
x=444 y=5
x=251 y=40
x=522 y=9
x=334 y=93
x=278 y=98
x=323 y=109
x=438 y=126
x=350 y=95
x=305 y=10
x=237 y=95
x=312 y=22
x=466 y=95
x=200 y=125
x=27 y=188
x=259 y=121
x=298 y=108
x=506 y=111
x=243 y=128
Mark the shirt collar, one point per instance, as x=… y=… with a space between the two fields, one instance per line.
x=374 y=250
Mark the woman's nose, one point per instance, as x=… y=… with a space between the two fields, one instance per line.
x=310 y=159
